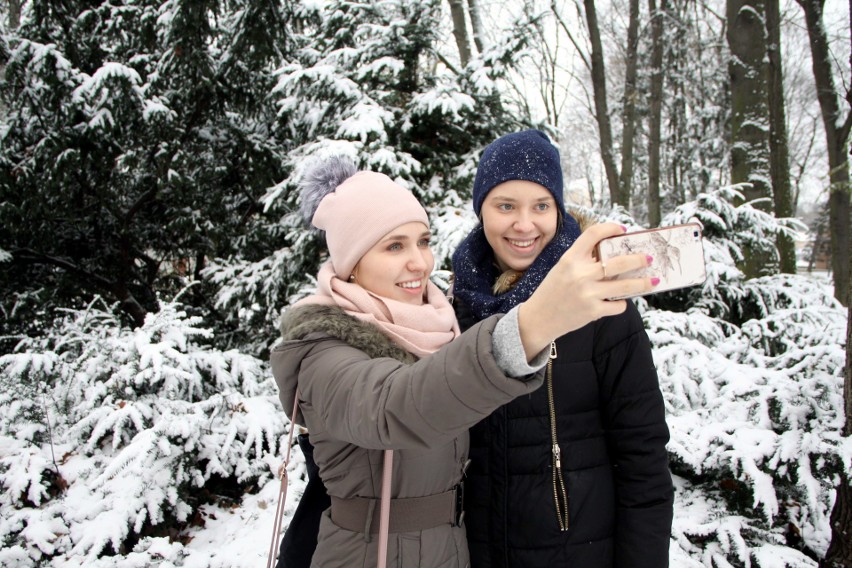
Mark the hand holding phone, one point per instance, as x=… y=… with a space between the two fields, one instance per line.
x=678 y=255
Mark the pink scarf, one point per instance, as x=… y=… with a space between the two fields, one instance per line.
x=420 y=330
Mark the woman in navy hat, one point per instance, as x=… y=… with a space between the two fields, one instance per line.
x=575 y=474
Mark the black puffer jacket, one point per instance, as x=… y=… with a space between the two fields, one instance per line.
x=612 y=434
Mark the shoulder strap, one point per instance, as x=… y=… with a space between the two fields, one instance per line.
x=282 y=491
x=384 y=518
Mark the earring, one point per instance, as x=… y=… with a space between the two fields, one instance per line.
x=351 y=278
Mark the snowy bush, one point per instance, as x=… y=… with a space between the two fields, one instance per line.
x=109 y=435
x=751 y=371
x=761 y=430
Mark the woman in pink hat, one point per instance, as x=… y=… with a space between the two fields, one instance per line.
x=378 y=363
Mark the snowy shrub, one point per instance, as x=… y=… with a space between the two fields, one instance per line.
x=755 y=413
x=751 y=373
x=110 y=434
x=705 y=533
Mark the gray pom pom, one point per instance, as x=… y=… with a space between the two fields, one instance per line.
x=320 y=179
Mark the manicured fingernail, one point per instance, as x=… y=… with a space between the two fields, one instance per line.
x=623 y=228
x=649 y=258
x=655 y=281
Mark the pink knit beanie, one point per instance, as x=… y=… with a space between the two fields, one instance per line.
x=360 y=210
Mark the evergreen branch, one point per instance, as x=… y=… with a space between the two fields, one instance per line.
x=50 y=437
x=139 y=203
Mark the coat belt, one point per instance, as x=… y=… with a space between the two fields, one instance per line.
x=361 y=514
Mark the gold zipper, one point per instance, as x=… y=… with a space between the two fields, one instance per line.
x=560 y=495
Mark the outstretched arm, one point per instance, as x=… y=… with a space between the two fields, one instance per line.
x=574 y=293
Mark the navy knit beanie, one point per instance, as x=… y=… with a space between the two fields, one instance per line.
x=528 y=155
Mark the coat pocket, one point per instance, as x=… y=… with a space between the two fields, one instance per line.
x=408 y=545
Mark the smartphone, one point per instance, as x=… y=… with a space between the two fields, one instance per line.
x=677 y=250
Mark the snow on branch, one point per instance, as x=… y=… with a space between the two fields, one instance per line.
x=110 y=433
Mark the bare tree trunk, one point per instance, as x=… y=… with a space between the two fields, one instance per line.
x=749 y=115
x=655 y=118
x=460 y=30
x=837 y=134
x=822 y=219
x=779 y=157
x=629 y=106
x=601 y=110
x=476 y=24
x=676 y=132
x=839 y=552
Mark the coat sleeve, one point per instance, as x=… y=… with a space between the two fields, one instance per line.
x=637 y=434
x=382 y=403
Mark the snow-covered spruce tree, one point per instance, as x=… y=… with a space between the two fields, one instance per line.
x=136 y=144
x=369 y=82
x=113 y=438
x=751 y=373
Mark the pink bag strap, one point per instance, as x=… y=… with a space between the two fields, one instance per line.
x=384 y=515
x=384 y=518
x=282 y=491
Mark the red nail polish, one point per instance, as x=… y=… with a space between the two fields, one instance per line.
x=649 y=258
x=655 y=281
x=624 y=228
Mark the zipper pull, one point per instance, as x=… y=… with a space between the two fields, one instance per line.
x=553 y=350
x=557 y=455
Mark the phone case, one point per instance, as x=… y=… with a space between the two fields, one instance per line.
x=678 y=255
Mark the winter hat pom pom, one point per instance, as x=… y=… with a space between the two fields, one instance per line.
x=321 y=178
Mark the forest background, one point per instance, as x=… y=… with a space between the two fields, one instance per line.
x=150 y=153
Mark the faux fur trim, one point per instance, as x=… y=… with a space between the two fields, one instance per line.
x=584 y=218
x=298 y=323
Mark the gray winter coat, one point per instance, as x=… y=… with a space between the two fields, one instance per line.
x=360 y=394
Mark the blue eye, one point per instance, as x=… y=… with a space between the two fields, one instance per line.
x=425 y=242
x=504 y=207
x=543 y=206
x=395 y=246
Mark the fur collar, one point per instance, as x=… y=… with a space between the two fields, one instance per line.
x=298 y=323
x=584 y=217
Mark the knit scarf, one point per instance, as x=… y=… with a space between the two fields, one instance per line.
x=475 y=271
x=420 y=330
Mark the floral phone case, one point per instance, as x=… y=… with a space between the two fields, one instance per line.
x=678 y=255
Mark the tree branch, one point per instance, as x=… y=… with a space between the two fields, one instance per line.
x=571 y=38
x=117 y=289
